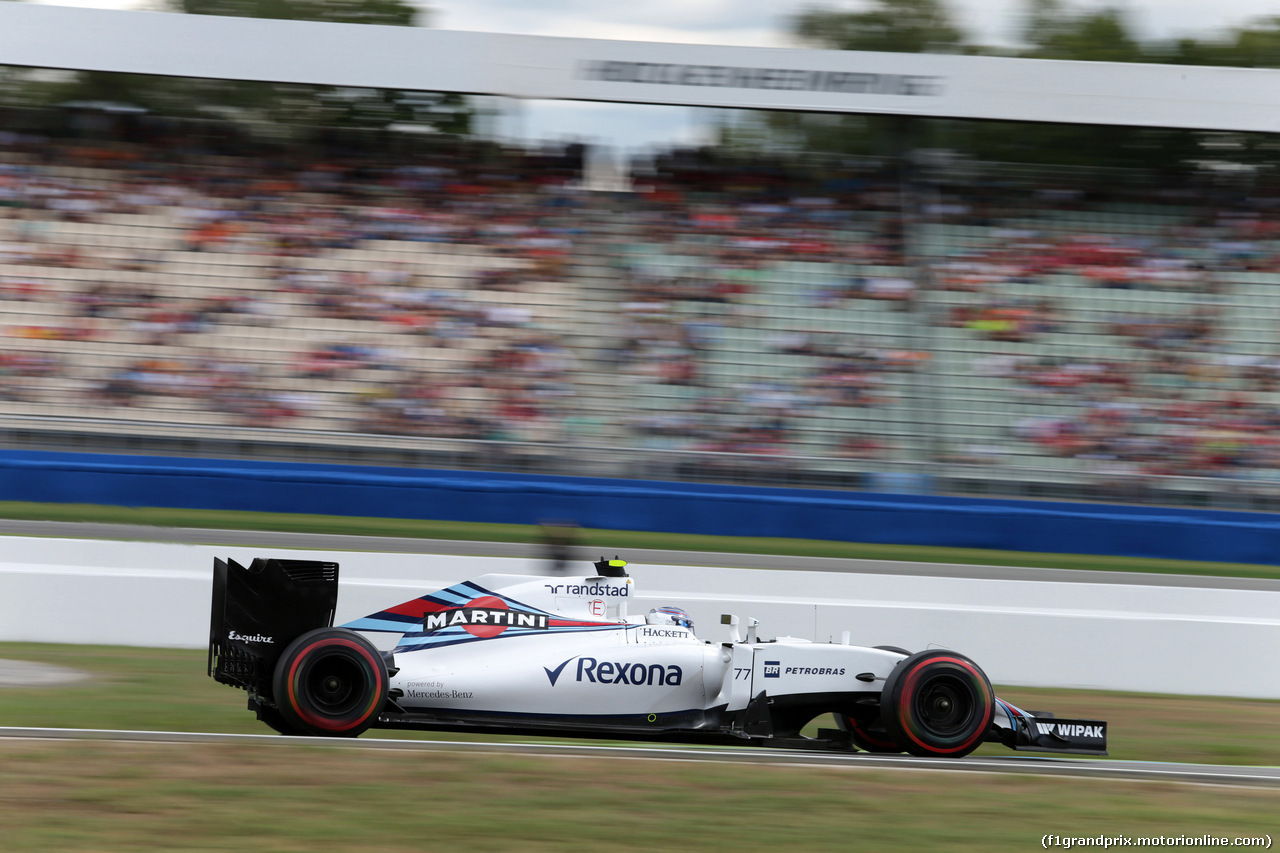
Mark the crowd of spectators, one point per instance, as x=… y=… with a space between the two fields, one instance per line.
x=710 y=261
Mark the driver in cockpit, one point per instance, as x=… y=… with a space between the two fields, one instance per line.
x=669 y=616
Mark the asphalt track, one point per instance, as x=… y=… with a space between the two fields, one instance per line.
x=639 y=556
x=14 y=674
x=1200 y=774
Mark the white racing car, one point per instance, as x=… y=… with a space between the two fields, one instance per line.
x=562 y=655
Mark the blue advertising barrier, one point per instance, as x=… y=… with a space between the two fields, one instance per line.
x=1060 y=527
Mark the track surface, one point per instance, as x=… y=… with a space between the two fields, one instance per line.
x=410 y=545
x=1204 y=774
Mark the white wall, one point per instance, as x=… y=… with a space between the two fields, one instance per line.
x=1036 y=633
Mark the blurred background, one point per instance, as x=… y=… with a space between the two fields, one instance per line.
x=310 y=273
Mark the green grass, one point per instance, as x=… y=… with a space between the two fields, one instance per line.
x=617 y=541
x=108 y=797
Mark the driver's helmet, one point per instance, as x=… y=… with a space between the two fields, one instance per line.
x=669 y=616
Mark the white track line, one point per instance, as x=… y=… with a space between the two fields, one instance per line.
x=1207 y=774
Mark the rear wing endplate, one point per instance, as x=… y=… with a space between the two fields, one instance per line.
x=259 y=609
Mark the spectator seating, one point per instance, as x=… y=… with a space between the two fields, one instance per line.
x=1055 y=340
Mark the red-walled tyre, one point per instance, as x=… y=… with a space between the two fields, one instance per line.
x=937 y=703
x=330 y=681
x=867 y=734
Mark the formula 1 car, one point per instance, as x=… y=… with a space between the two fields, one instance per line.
x=562 y=655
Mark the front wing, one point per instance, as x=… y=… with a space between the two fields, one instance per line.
x=1041 y=731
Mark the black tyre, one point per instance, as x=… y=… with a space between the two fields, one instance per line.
x=868 y=735
x=937 y=703
x=275 y=720
x=330 y=681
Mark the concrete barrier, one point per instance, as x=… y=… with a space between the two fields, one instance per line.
x=1033 y=633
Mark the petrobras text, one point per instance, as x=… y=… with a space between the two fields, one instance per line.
x=814 y=670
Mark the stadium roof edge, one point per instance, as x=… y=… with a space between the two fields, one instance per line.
x=412 y=58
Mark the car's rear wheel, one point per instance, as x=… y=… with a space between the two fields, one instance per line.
x=937 y=703
x=330 y=681
x=272 y=718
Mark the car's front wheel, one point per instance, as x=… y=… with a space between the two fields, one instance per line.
x=937 y=703
x=868 y=734
x=330 y=681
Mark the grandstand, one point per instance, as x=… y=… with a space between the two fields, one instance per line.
x=1081 y=344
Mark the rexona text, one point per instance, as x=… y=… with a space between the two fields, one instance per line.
x=610 y=672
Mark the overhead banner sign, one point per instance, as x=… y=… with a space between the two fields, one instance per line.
x=738 y=77
x=419 y=59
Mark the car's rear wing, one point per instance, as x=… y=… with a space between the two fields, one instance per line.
x=259 y=610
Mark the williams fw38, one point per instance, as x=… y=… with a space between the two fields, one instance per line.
x=564 y=655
